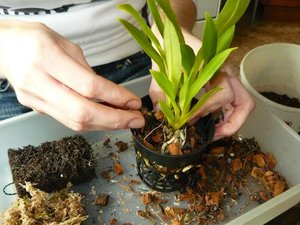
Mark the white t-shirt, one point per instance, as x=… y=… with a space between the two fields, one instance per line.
x=92 y=25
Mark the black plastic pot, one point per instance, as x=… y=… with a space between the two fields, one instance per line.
x=164 y=172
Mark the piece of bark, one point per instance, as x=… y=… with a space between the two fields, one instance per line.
x=102 y=199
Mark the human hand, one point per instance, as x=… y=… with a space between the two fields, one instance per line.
x=234 y=100
x=50 y=75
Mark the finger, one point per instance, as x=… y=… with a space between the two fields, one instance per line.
x=75 y=52
x=77 y=112
x=243 y=106
x=228 y=69
x=29 y=100
x=107 y=119
x=227 y=111
x=83 y=114
x=80 y=79
x=244 y=97
x=234 y=122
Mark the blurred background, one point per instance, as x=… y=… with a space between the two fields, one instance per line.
x=266 y=21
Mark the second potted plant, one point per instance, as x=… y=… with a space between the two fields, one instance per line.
x=168 y=151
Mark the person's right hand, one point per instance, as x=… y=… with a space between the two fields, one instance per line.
x=50 y=75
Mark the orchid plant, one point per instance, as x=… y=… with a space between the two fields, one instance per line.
x=182 y=73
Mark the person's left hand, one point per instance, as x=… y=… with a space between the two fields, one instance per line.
x=234 y=100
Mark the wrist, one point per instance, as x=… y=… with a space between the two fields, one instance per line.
x=190 y=39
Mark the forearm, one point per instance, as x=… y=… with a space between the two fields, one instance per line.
x=3 y=29
x=186 y=13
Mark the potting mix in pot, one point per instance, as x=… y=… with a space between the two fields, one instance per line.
x=282 y=99
x=171 y=156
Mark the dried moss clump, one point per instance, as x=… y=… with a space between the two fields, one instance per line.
x=59 y=208
x=52 y=165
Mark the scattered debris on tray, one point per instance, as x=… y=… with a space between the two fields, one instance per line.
x=122 y=146
x=231 y=168
x=102 y=199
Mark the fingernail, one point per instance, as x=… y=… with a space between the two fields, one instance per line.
x=134 y=104
x=136 y=123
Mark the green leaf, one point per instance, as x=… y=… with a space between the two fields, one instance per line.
x=208 y=72
x=202 y=100
x=183 y=93
x=164 y=84
x=173 y=54
x=209 y=39
x=167 y=9
x=182 y=73
x=188 y=57
x=144 y=42
x=167 y=87
x=230 y=14
x=188 y=60
x=199 y=61
x=198 y=105
x=178 y=124
x=224 y=41
x=167 y=111
x=156 y=16
x=144 y=26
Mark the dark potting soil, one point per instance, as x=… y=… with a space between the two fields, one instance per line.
x=282 y=99
x=52 y=165
x=156 y=132
x=154 y=128
x=152 y=134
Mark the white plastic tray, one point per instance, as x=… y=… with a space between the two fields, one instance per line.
x=272 y=134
